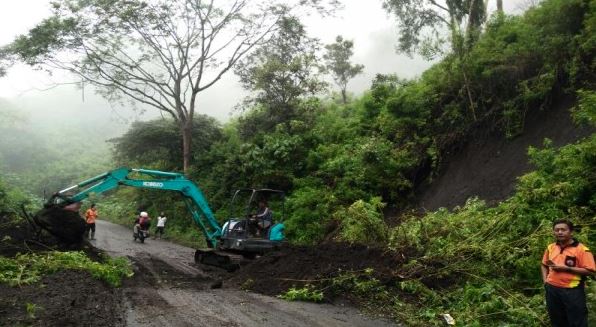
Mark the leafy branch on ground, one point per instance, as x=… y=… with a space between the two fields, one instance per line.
x=30 y=268
x=306 y=293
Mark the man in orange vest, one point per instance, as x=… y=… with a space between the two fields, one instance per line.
x=90 y=216
x=566 y=264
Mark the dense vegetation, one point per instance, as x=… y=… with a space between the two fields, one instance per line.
x=345 y=165
x=391 y=140
x=342 y=164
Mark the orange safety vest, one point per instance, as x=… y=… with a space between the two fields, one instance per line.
x=91 y=215
x=574 y=255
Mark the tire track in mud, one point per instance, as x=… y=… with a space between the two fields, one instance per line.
x=168 y=289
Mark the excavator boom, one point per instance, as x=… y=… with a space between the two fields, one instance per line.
x=227 y=245
x=193 y=196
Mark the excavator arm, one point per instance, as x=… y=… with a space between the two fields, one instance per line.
x=193 y=196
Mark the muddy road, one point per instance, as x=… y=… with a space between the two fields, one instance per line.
x=168 y=289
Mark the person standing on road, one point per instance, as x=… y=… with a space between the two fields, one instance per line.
x=161 y=225
x=566 y=264
x=90 y=217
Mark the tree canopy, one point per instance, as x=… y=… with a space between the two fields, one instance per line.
x=426 y=25
x=282 y=73
x=159 y=53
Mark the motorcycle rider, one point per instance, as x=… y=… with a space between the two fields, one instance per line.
x=141 y=224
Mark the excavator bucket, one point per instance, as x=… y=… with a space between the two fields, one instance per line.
x=64 y=224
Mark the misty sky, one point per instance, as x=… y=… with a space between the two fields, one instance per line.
x=365 y=22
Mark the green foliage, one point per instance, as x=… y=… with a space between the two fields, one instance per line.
x=154 y=53
x=585 y=112
x=478 y=263
x=362 y=222
x=422 y=24
x=306 y=293
x=362 y=284
x=281 y=73
x=32 y=309
x=157 y=144
x=310 y=208
x=11 y=197
x=490 y=256
x=385 y=144
x=29 y=268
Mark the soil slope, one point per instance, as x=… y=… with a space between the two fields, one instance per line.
x=65 y=298
x=489 y=165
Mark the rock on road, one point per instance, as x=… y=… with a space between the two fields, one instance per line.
x=168 y=289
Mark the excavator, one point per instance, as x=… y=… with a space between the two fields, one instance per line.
x=227 y=244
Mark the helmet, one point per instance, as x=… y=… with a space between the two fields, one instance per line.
x=144 y=214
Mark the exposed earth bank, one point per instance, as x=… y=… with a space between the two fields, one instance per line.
x=488 y=165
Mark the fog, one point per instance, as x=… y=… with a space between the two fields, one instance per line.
x=365 y=22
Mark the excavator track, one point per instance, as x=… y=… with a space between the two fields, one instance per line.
x=222 y=259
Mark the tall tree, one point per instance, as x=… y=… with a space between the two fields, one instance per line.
x=422 y=22
x=283 y=72
x=338 y=62
x=160 y=53
x=156 y=143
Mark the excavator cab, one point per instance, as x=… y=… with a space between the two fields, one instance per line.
x=246 y=232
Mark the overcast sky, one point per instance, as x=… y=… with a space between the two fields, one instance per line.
x=363 y=21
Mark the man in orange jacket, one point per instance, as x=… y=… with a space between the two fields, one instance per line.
x=566 y=264
x=90 y=217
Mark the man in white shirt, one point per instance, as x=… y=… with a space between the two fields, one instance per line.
x=161 y=224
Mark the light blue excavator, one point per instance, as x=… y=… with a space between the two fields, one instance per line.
x=226 y=242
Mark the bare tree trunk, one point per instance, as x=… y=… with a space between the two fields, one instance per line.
x=500 y=6
x=186 y=144
x=344 y=98
x=467 y=86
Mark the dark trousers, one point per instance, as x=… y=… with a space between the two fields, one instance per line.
x=566 y=306
x=90 y=230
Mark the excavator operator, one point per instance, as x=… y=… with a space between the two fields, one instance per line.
x=261 y=221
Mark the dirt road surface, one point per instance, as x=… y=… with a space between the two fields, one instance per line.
x=168 y=289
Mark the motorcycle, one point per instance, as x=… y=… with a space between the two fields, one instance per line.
x=139 y=233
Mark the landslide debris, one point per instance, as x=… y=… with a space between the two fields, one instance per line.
x=64 y=298
x=297 y=266
x=66 y=225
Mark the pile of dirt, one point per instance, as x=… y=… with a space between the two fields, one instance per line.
x=488 y=165
x=18 y=236
x=276 y=272
x=66 y=225
x=66 y=298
